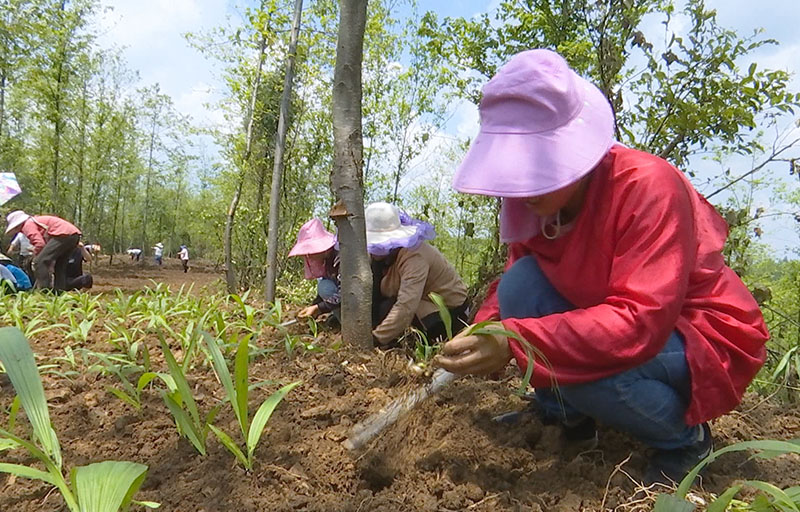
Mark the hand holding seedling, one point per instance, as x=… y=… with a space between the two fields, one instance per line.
x=475 y=354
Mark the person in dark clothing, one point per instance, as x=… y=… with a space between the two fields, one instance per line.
x=76 y=279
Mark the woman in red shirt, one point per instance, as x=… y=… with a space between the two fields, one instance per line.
x=53 y=240
x=615 y=272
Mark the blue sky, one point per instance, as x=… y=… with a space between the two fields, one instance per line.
x=151 y=34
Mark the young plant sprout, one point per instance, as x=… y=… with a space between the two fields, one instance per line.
x=236 y=389
x=100 y=487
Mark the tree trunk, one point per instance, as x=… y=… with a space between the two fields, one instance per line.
x=277 y=167
x=347 y=178
x=230 y=271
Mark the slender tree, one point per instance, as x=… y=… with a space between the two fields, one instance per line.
x=347 y=176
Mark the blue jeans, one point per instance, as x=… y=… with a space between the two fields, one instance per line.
x=648 y=401
x=328 y=291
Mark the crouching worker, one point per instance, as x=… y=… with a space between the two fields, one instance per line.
x=317 y=246
x=405 y=270
x=53 y=241
x=76 y=279
x=614 y=273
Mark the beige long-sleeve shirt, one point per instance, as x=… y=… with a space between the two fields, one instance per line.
x=415 y=274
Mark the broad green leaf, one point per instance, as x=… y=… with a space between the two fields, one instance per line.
x=17 y=357
x=671 y=503
x=147 y=504
x=145 y=379
x=8 y=444
x=263 y=414
x=107 y=486
x=229 y=443
x=780 y=496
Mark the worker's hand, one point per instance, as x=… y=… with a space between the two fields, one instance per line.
x=480 y=354
x=310 y=311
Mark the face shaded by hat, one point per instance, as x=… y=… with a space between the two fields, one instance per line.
x=543 y=128
x=16 y=219
x=388 y=228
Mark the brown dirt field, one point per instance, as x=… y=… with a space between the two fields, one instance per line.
x=446 y=456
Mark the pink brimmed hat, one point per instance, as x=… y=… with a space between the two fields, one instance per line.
x=312 y=238
x=543 y=127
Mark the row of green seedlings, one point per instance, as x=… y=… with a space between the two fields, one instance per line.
x=130 y=315
x=100 y=487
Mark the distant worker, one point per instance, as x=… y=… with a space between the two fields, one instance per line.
x=183 y=255
x=53 y=240
x=135 y=253
x=317 y=246
x=158 y=253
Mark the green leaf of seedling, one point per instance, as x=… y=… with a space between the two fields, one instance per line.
x=240 y=382
x=12 y=413
x=187 y=427
x=27 y=472
x=8 y=444
x=780 y=496
x=124 y=397
x=181 y=383
x=721 y=503
x=107 y=486
x=671 y=503
x=263 y=414
x=145 y=379
x=223 y=374
x=17 y=358
x=444 y=313
x=226 y=441
x=146 y=504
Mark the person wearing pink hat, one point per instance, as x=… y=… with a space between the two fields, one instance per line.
x=317 y=246
x=53 y=239
x=405 y=270
x=615 y=272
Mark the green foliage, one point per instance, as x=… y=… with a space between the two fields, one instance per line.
x=236 y=389
x=778 y=500
x=100 y=487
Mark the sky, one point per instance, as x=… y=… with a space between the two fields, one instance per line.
x=151 y=35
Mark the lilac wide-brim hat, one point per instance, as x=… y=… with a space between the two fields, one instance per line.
x=388 y=228
x=312 y=238
x=543 y=127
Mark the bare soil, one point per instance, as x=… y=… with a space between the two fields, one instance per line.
x=447 y=455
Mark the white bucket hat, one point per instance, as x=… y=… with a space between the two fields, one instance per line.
x=16 y=219
x=388 y=228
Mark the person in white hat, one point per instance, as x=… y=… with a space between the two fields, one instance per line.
x=158 y=253
x=53 y=240
x=406 y=269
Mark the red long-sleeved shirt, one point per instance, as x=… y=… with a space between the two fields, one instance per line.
x=642 y=259
x=53 y=226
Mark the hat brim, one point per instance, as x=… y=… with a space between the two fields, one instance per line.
x=317 y=246
x=401 y=233
x=533 y=164
x=16 y=224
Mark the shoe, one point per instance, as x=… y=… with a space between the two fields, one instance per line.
x=580 y=435
x=668 y=466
